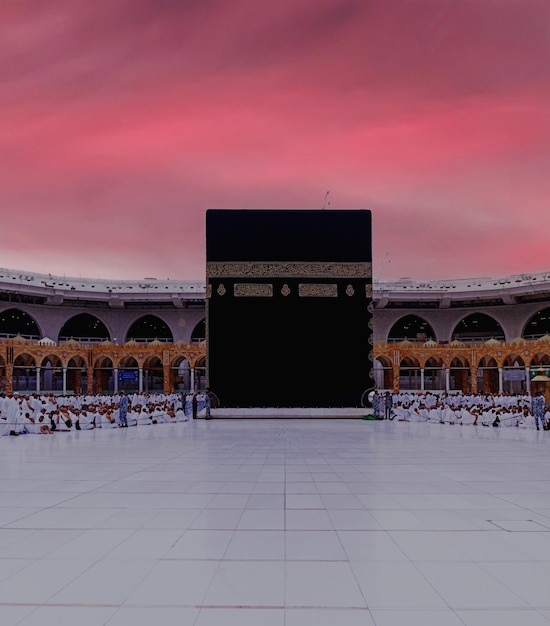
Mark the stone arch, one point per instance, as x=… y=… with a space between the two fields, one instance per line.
x=128 y=374
x=200 y=374
x=76 y=374
x=537 y=325
x=180 y=374
x=150 y=328
x=487 y=375
x=514 y=374
x=459 y=374
x=434 y=374
x=514 y=360
x=478 y=327
x=383 y=372
x=103 y=374
x=51 y=373
x=199 y=332
x=84 y=327
x=153 y=376
x=24 y=373
x=540 y=358
x=411 y=327
x=409 y=374
x=15 y=322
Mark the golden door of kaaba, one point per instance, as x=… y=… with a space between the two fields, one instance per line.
x=289 y=307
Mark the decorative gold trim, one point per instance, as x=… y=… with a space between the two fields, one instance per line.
x=208 y=290
x=315 y=290
x=221 y=290
x=264 y=290
x=285 y=290
x=368 y=291
x=350 y=290
x=290 y=269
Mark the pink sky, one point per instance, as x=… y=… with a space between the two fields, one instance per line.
x=122 y=121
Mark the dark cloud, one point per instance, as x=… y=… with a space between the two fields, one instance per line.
x=120 y=119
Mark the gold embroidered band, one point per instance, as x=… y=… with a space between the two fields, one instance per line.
x=264 y=290
x=280 y=269
x=313 y=290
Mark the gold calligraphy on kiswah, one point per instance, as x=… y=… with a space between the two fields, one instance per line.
x=280 y=269
x=264 y=290
x=315 y=290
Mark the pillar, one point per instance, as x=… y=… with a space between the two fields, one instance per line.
x=421 y=379
x=500 y=379
x=89 y=380
x=115 y=379
x=9 y=378
x=396 y=370
x=447 y=379
x=473 y=374
x=140 y=380
x=192 y=379
x=38 y=379
x=78 y=381
x=64 y=381
x=166 y=379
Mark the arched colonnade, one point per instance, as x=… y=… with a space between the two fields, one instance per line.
x=69 y=367
x=489 y=367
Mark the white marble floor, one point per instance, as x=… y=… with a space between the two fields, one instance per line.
x=276 y=523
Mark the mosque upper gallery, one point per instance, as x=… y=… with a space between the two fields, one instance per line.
x=74 y=335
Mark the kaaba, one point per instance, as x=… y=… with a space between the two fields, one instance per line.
x=289 y=307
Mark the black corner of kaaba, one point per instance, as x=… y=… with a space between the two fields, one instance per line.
x=289 y=307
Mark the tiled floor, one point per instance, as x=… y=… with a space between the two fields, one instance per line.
x=274 y=522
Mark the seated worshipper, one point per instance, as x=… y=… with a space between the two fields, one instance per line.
x=142 y=416
x=59 y=422
x=402 y=412
x=170 y=415
x=448 y=415
x=84 y=420
x=180 y=415
x=106 y=419
x=42 y=422
x=488 y=416
x=35 y=427
x=468 y=417
x=510 y=417
x=434 y=416
x=421 y=414
x=68 y=415
x=158 y=414
x=527 y=420
x=131 y=417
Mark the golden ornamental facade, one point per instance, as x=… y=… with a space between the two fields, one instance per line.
x=488 y=367
x=73 y=368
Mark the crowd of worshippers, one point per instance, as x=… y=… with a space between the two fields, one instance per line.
x=44 y=414
x=496 y=409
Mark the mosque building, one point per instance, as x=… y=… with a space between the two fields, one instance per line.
x=75 y=335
